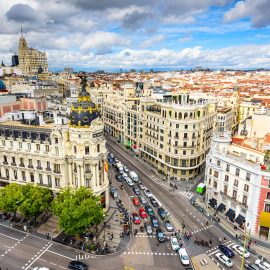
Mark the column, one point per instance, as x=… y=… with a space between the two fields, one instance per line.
x=82 y=177
x=70 y=173
x=79 y=174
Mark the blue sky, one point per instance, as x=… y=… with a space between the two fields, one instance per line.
x=114 y=34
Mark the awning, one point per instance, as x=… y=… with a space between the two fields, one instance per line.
x=221 y=207
x=265 y=219
x=213 y=202
x=230 y=214
x=240 y=220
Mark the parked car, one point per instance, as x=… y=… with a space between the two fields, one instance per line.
x=119 y=177
x=226 y=250
x=143 y=214
x=168 y=225
x=154 y=202
x=126 y=169
x=77 y=265
x=136 y=218
x=224 y=259
x=162 y=213
x=184 y=258
x=154 y=222
x=134 y=176
x=136 y=190
x=160 y=236
x=262 y=264
x=135 y=201
x=149 y=210
x=148 y=228
x=114 y=192
x=141 y=186
x=148 y=193
x=251 y=266
x=240 y=250
x=125 y=176
x=142 y=200
x=174 y=243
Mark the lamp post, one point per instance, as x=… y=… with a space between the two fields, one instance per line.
x=246 y=238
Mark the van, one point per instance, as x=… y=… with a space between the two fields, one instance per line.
x=184 y=258
x=134 y=177
x=201 y=188
x=114 y=192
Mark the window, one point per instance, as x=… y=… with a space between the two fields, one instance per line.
x=40 y=179
x=185 y=144
x=209 y=181
x=15 y=174
x=186 y=126
x=87 y=168
x=47 y=148
x=98 y=148
x=226 y=178
x=184 y=152
x=75 y=149
x=21 y=161
x=29 y=146
x=215 y=184
x=87 y=182
x=30 y=162
x=20 y=144
x=49 y=177
x=225 y=189
x=268 y=196
x=13 y=160
x=216 y=174
x=75 y=167
x=3 y=143
x=227 y=168
x=267 y=208
x=7 y=173
x=23 y=176
x=246 y=187
x=87 y=150
x=235 y=182
x=210 y=171
x=248 y=177
x=38 y=147
x=32 y=178
x=185 y=135
x=11 y=144
x=5 y=159
x=57 y=168
x=38 y=163
x=237 y=171
x=56 y=140
x=218 y=162
x=244 y=201
x=234 y=194
x=57 y=182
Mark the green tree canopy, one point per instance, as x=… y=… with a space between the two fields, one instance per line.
x=36 y=200
x=11 y=197
x=77 y=210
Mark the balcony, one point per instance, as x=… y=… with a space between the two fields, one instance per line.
x=13 y=164
x=39 y=168
x=57 y=171
x=5 y=163
x=48 y=169
x=21 y=165
x=30 y=166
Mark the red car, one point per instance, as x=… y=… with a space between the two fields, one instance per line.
x=143 y=214
x=136 y=201
x=136 y=218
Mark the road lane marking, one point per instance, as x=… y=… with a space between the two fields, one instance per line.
x=16 y=239
x=38 y=256
x=58 y=254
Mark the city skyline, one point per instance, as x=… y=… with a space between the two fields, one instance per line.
x=126 y=34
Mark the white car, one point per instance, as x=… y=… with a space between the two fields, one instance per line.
x=184 y=258
x=174 y=243
x=148 y=193
x=126 y=169
x=240 y=250
x=130 y=182
x=263 y=264
x=224 y=259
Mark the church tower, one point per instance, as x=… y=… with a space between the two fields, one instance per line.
x=22 y=51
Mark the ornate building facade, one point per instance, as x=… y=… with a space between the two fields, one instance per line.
x=31 y=60
x=58 y=156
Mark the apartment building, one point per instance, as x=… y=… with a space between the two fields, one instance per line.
x=169 y=130
x=225 y=119
x=237 y=177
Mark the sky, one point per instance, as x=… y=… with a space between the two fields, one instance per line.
x=140 y=34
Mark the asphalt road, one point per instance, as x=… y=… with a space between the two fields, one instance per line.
x=179 y=207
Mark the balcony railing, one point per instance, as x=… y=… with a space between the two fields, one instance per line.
x=48 y=169
x=30 y=166
x=21 y=165
x=39 y=168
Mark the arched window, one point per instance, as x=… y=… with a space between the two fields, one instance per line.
x=191 y=115
x=185 y=115
x=180 y=115
x=198 y=114
x=175 y=115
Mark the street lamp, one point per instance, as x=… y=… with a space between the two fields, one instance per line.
x=246 y=238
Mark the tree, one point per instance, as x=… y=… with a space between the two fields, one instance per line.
x=36 y=200
x=11 y=197
x=77 y=210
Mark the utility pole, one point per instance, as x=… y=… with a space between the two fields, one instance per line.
x=246 y=237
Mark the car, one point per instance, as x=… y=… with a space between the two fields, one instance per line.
x=154 y=222
x=126 y=169
x=134 y=176
x=130 y=182
x=226 y=250
x=262 y=264
x=148 y=228
x=162 y=213
x=142 y=200
x=136 y=218
x=224 y=259
x=143 y=214
x=149 y=210
x=168 y=225
x=119 y=177
x=240 y=250
x=141 y=186
x=77 y=265
x=184 y=258
x=135 y=201
x=148 y=193
x=125 y=176
x=116 y=160
x=174 y=243
x=160 y=236
x=136 y=190
x=154 y=202
x=251 y=266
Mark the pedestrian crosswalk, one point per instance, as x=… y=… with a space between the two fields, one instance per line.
x=202 y=229
x=186 y=194
x=150 y=253
x=215 y=249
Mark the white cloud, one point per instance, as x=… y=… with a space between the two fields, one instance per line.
x=152 y=41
